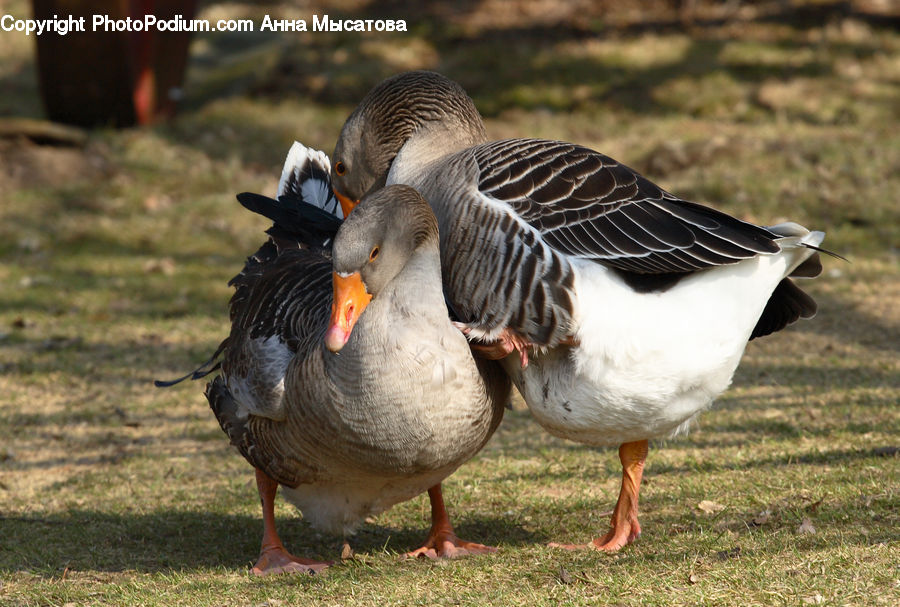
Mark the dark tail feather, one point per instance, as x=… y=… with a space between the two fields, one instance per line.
x=787 y=304
x=810 y=268
x=295 y=218
x=199 y=372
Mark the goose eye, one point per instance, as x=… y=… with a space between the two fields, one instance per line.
x=340 y=168
x=374 y=254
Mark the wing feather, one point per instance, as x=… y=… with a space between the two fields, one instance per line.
x=589 y=206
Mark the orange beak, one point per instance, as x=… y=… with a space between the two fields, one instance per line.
x=347 y=204
x=350 y=299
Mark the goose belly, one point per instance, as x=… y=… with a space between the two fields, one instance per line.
x=340 y=506
x=396 y=429
x=647 y=363
x=425 y=411
x=614 y=402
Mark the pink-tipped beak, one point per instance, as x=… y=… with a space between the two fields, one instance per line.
x=350 y=299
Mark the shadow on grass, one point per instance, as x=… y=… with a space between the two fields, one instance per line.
x=183 y=540
x=782 y=460
x=607 y=465
x=522 y=67
x=128 y=363
x=843 y=319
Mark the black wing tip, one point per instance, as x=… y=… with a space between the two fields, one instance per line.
x=194 y=375
x=827 y=252
x=199 y=372
x=168 y=383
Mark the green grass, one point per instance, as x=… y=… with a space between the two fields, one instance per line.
x=113 y=268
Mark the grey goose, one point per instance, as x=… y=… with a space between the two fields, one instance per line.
x=343 y=379
x=630 y=308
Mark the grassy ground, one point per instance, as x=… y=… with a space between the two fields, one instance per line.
x=114 y=259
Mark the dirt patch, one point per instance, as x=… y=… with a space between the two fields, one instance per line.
x=27 y=164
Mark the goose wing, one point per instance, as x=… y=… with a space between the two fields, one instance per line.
x=532 y=207
x=587 y=205
x=279 y=312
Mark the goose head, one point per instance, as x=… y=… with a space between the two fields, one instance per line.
x=398 y=109
x=372 y=246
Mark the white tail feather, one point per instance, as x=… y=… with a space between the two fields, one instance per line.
x=791 y=230
x=306 y=175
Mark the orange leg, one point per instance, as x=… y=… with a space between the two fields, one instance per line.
x=442 y=542
x=624 y=522
x=273 y=558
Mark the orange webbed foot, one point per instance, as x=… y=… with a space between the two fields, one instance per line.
x=442 y=543
x=445 y=545
x=278 y=560
x=615 y=539
x=273 y=558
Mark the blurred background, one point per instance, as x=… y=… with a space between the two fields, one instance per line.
x=671 y=87
x=116 y=244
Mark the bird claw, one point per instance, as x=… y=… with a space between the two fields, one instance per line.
x=463 y=327
x=503 y=346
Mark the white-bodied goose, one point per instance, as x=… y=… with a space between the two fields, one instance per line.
x=639 y=303
x=370 y=408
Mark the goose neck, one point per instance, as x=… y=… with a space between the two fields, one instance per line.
x=429 y=144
